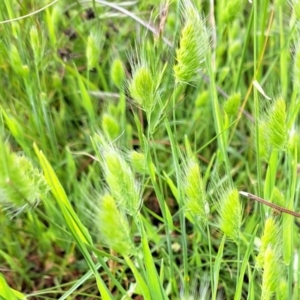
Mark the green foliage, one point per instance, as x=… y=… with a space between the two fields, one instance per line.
x=109 y=110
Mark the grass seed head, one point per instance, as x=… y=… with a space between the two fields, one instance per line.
x=139 y=163
x=21 y=184
x=121 y=181
x=93 y=49
x=113 y=226
x=194 y=189
x=193 y=45
x=142 y=88
x=110 y=126
x=231 y=10
x=117 y=73
x=232 y=105
x=230 y=213
x=271 y=272
x=269 y=238
x=277 y=125
x=35 y=43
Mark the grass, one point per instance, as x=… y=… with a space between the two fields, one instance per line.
x=133 y=138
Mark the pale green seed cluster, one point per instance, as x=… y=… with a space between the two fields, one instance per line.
x=232 y=8
x=17 y=63
x=230 y=214
x=35 y=43
x=269 y=238
x=110 y=126
x=277 y=126
x=195 y=196
x=194 y=44
x=21 y=184
x=273 y=133
x=93 y=51
x=117 y=73
x=142 y=88
x=139 y=163
x=114 y=227
x=270 y=274
x=120 y=180
x=232 y=104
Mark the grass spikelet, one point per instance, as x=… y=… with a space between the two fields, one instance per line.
x=142 y=88
x=35 y=44
x=232 y=105
x=230 y=213
x=121 y=181
x=113 y=226
x=282 y=291
x=231 y=10
x=264 y=146
x=269 y=238
x=93 y=49
x=194 y=44
x=117 y=73
x=139 y=163
x=21 y=184
x=277 y=127
x=194 y=189
x=16 y=62
x=271 y=270
x=110 y=126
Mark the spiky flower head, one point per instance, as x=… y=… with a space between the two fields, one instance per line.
x=139 y=163
x=230 y=213
x=110 y=126
x=142 y=87
x=269 y=238
x=93 y=50
x=113 y=226
x=117 y=73
x=232 y=105
x=271 y=273
x=193 y=45
x=120 y=179
x=277 y=125
x=21 y=184
x=231 y=10
x=195 y=201
x=16 y=62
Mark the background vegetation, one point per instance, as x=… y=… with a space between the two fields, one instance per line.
x=131 y=136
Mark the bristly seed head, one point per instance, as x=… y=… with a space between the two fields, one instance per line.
x=194 y=44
